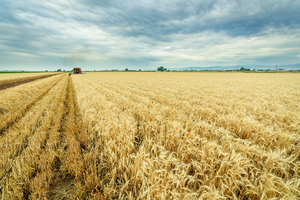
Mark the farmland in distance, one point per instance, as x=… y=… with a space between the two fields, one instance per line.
x=147 y=135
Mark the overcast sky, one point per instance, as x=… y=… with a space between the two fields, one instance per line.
x=146 y=34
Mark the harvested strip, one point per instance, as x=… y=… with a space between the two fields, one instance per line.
x=16 y=182
x=16 y=137
x=16 y=101
x=4 y=84
x=11 y=99
x=49 y=164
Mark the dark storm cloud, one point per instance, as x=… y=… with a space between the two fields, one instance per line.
x=174 y=32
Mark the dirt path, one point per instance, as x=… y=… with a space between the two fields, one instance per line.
x=9 y=85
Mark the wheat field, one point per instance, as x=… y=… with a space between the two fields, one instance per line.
x=152 y=135
x=192 y=135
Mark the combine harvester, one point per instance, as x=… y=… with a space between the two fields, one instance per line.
x=77 y=70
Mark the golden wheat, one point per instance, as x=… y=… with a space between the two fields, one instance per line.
x=15 y=101
x=152 y=136
x=22 y=144
x=192 y=135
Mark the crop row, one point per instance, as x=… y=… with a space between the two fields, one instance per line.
x=41 y=152
x=15 y=101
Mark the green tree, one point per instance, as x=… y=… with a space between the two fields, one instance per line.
x=161 y=68
x=244 y=69
x=126 y=69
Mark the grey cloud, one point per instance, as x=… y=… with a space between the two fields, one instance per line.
x=170 y=17
x=5 y=13
x=155 y=19
x=147 y=31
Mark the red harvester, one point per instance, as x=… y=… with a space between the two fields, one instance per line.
x=77 y=70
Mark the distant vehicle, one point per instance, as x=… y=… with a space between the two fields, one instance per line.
x=77 y=70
